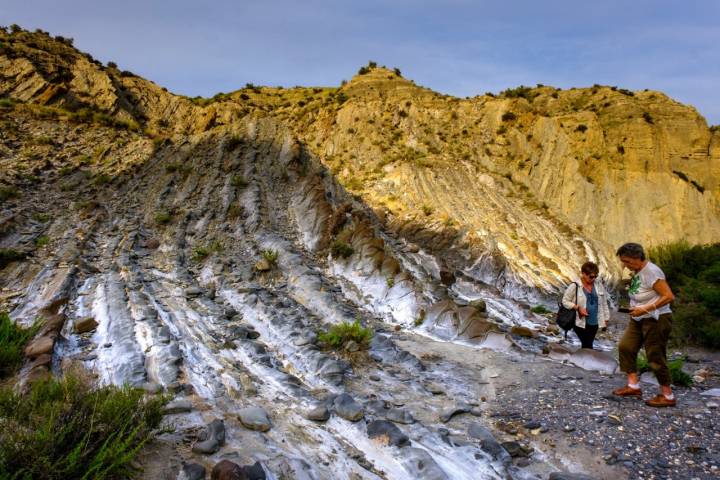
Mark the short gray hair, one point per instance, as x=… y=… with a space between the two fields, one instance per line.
x=632 y=250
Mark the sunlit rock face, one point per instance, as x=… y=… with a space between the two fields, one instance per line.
x=212 y=242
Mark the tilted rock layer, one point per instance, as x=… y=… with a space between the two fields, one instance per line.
x=515 y=190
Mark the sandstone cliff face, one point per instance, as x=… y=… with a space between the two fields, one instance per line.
x=515 y=190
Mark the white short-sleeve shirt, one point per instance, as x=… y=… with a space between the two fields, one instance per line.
x=641 y=290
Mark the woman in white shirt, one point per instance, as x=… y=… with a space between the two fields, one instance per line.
x=650 y=325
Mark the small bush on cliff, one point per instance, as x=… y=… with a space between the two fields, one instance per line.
x=162 y=218
x=8 y=255
x=64 y=429
x=338 y=335
x=7 y=192
x=12 y=342
x=341 y=249
x=271 y=256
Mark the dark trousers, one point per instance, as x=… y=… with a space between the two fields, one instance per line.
x=653 y=335
x=586 y=335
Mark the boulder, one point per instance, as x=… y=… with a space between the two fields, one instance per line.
x=40 y=346
x=569 y=476
x=450 y=412
x=227 y=470
x=254 y=471
x=263 y=265
x=152 y=243
x=347 y=408
x=192 y=471
x=318 y=413
x=212 y=439
x=85 y=324
x=521 y=331
x=488 y=443
x=399 y=416
x=178 y=406
x=387 y=433
x=255 y=418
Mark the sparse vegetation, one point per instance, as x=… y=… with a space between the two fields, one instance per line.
x=678 y=376
x=271 y=256
x=200 y=253
x=648 y=118
x=337 y=336
x=340 y=249
x=64 y=429
x=233 y=142
x=40 y=217
x=12 y=342
x=162 y=218
x=508 y=117
x=427 y=210
x=8 y=255
x=693 y=273
x=42 y=241
x=238 y=181
x=520 y=92
x=582 y=128
x=540 y=309
x=8 y=192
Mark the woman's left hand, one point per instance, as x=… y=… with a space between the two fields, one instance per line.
x=638 y=312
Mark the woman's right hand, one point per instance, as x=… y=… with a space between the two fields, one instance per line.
x=583 y=312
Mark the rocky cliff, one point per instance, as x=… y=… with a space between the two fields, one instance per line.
x=515 y=189
x=197 y=247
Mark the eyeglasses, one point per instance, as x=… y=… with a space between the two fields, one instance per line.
x=590 y=276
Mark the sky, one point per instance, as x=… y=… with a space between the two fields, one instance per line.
x=456 y=47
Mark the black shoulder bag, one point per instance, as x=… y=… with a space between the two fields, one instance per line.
x=566 y=316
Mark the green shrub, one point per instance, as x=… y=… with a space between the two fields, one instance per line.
x=508 y=117
x=648 y=118
x=102 y=179
x=162 y=218
x=201 y=253
x=693 y=273
x=238 y=181
x=42 y=241
x=271 y=256
x=7 y=192
x=677 y=374
x=540 y=309
x=338 y=335
x=12 y=342
x=40 y=217
x=233 y=142
x=6 y=104
x=64 y=429
x=582 y=128
x=8 y=255
x=341 y=249
x=520 y=92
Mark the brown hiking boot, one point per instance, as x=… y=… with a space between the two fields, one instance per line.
x=628 y=391
x=660 y=401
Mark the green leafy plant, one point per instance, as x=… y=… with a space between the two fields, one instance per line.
x=12 y=342
x=238 y=181
x=340 y=249
x=162 y=218
x=677 y=374
x=338 y=335
x=200 y=253
x=540 y=309
x=271 y=256
x=8 y=255
x=65 y=429
x=7 y=192
x=42 y=241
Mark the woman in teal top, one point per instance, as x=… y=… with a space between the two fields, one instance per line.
x=592 y=306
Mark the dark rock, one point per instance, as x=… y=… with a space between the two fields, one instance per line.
x=387 y=433
x=213 y=438
x=488 y=443
x=447 y=278
x=399 y=416
x=514 y=449
x=254 y=471
x=532 y=425
x=568 y=476
x=192 y=471
x=227 y=470
x=318 y=413
x=152 y=244
x=193 y=292
x=348 y=408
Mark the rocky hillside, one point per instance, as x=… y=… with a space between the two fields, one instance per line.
x=199 y=246
x=516 y=190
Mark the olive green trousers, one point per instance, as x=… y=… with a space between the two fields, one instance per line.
x=653 y=335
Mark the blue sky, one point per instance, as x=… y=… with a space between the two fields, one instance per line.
x=457 y=47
